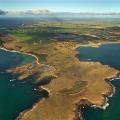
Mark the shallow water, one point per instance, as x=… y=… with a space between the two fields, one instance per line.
x=13 y=59
x=15 y=96
x=108 y=54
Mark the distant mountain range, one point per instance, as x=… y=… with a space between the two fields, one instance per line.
x=27 y=12
x=30 y=12
x=2 y=12
x=47 y=12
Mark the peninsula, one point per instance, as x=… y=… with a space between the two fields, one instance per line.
x=71 y=83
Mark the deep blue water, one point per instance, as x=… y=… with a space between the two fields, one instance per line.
x=15 y=96
x=15 y=21
x=108 y=54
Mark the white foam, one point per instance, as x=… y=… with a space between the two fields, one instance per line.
x=35 y=89
x=12 y=80
x=88 y=59
x=105 y=106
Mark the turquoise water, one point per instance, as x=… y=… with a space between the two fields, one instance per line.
x=15 y=96
x=13 y=59
x=108 y=54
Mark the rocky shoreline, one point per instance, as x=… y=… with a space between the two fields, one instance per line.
x=86 y=103
x=35 y=104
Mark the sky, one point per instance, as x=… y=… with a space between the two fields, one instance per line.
x=96 y=6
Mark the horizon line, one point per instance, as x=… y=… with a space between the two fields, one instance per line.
x=11 y=10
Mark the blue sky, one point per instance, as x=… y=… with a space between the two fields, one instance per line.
x=63 y=5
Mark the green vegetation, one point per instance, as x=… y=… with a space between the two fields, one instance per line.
x=45 y=33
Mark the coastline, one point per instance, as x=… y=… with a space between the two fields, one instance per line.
x=37 y=60
x=81 y=105
x=117 y=76
x=87 y=103
x=96 y=45
x=35 y=104
x=29 y=109
x=104 y=106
